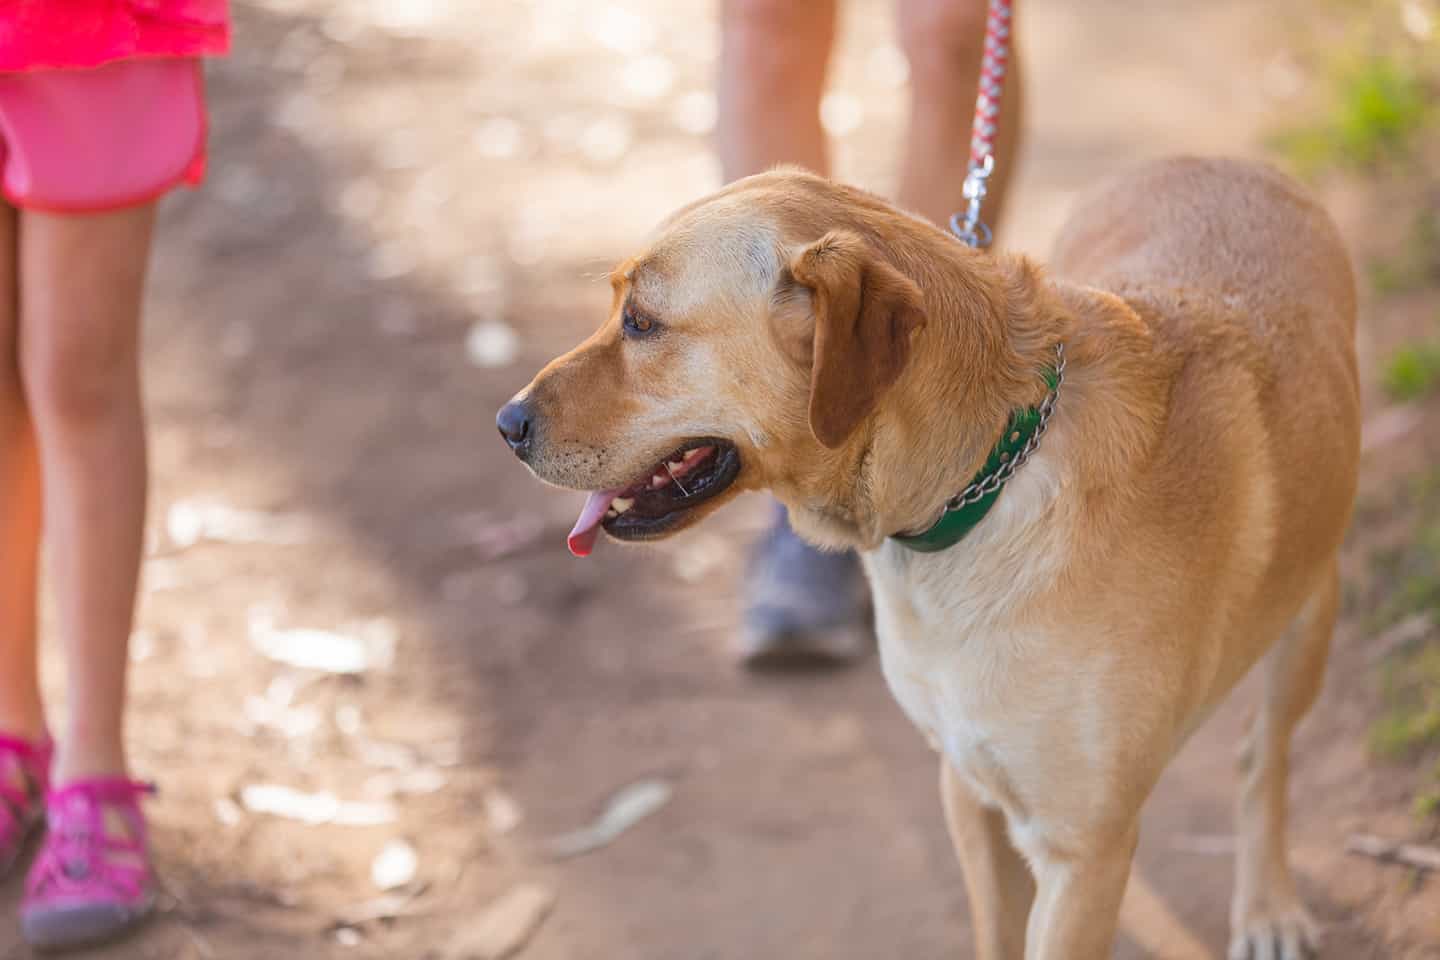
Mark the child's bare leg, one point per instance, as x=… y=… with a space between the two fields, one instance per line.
x=81 y=279
x=20 y=712
x=944 y=41
x=773 y=58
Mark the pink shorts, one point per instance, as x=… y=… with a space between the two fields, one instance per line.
x=118 y=135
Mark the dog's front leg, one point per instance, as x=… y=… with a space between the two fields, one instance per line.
x=997 y=879
x=1077 y=902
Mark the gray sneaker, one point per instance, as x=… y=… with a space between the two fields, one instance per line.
x=804 y=608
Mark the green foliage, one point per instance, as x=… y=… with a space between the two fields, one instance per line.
x=1377 y=107
x=1408 y=727
x=1410 y=571
x=1382 y=103
x=1427 y=801
x=1411 y=721
x=1412 y=371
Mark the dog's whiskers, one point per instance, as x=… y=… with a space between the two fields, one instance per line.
x=676 y=480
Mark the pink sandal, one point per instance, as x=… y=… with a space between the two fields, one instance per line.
x=89 y=884
x=21 y=807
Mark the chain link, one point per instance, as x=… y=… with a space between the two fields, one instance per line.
x=979 y=491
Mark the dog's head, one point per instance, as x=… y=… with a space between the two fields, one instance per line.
x=745 y=348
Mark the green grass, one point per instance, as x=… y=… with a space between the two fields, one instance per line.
x=1381 y=105
x=1427 y=801
x=1411 y=721
x=1408 y=728
x=1412 y=371
x=1410 y=571
x=1377 y=107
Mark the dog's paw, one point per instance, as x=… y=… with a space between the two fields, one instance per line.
x=1281 y=933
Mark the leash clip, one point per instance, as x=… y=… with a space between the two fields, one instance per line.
x=972 y=231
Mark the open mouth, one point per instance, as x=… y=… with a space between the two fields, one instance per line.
x=660 y=501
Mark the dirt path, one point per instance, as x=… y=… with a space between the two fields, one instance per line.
x=387 y=174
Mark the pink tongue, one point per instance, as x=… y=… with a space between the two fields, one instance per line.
x=587 y=528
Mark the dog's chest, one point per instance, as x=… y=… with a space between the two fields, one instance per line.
x=952 y=666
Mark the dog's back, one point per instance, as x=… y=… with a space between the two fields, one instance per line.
x=1232 y=230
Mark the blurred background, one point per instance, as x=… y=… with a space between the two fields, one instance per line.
x=392 y=717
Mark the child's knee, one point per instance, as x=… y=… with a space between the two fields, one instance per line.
x=942 y=38
x=74 y=381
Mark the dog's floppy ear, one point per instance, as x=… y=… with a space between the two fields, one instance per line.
x=865 y=311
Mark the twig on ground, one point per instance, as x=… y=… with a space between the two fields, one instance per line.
x=390 y=906
x=1404 y=634
x=1390 y=851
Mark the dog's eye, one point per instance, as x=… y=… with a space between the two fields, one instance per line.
x=636 y=324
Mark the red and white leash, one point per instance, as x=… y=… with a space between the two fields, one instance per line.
x=970 y=228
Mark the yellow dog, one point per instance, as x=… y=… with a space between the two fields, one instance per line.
x=1087 y=502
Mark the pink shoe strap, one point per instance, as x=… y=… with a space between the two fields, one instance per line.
x=35 y=749
x=109 y=791
x=33 y=753
x=78 y=851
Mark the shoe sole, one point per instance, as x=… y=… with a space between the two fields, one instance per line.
x=71 y=928
x=810 y=650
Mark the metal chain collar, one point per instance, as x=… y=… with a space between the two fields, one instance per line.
x=981 y=489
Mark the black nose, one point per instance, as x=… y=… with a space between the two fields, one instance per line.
x=514 y=422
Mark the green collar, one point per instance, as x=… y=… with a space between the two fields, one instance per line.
x=966 y=509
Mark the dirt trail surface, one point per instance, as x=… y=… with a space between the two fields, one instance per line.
x=411 y=206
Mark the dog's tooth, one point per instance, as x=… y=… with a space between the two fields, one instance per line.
x=611 y=513
x=676 y=464
x=658 y=481
x=622 y=504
